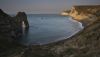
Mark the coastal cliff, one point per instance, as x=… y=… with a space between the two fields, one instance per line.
x=11 y=27
x=10 y=30
x=85 y=14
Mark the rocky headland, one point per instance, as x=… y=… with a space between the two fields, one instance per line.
x=86 y=14
x=86 y=43
x=10 y=30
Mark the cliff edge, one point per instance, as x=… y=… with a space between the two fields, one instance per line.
x=85 y=13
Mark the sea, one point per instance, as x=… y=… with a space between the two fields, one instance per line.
x=48 y=28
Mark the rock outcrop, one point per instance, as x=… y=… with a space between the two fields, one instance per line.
x=11 y=29
x=22 y=18
x=12 y=26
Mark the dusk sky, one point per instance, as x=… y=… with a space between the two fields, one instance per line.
x=42 y=6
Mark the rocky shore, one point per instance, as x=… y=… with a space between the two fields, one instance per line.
x=86 y=43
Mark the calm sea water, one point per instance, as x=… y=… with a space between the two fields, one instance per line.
x=47 y=28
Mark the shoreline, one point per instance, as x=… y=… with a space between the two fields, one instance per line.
x=83 y=26
x=62 y=38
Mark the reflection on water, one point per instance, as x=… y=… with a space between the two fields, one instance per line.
x=49 y=28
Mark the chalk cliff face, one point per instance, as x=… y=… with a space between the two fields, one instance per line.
x=85 y=14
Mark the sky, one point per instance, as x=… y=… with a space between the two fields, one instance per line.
x=42 y=6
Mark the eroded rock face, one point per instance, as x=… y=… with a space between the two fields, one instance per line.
x=11 y=27
x=10 y=30
x=21 y=17
x=85 y=14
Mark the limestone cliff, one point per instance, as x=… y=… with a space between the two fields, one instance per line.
x=23 y=19
x=85 y=14
x=12 y=26
x=10 y=29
